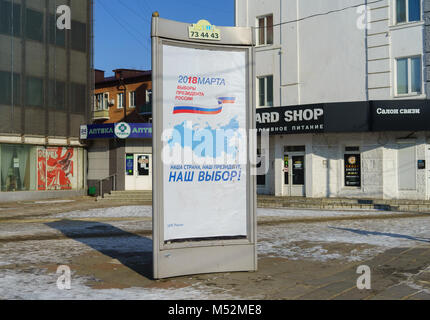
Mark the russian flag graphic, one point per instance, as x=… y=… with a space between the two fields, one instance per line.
x=223 y=100
x=204 y=110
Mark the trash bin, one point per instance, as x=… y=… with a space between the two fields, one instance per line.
x=92 y=191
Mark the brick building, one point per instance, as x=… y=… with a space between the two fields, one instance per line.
x=109 y=96
x=120 y=162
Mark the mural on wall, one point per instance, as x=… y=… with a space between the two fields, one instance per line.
x=41 y=169
x=55 y=169
x=59 y=163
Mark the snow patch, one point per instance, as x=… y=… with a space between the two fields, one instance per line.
x=53 y=201
x=41 y=286
x=117 y=212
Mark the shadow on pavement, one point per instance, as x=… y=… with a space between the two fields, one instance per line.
x=133 y=251
x=376 y=233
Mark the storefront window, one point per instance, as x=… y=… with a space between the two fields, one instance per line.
x=38 y=168
x=17 y=168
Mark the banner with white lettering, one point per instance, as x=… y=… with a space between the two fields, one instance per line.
x=205 y=143
x=291 y=120
x=401 y=115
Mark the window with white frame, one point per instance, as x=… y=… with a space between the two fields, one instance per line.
x=408 y=11
x=265 y=30
x=132 y=99
x=101 y=101
x=265 y=91
x=120 y=100
x=409 y=75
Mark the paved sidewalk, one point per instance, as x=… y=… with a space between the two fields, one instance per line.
x=303 y=254
x=14 y=218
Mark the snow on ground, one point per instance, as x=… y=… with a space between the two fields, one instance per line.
x=53 y=201
x=117 y=212
x=376 y=235
x=61 y=251
x=287 y=212
x=36 y=284
x=353 y=240
x=146 y=211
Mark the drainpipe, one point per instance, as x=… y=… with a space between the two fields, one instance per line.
x=366 y=44
x=280 y=53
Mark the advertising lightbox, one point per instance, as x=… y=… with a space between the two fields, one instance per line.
x=203 y=112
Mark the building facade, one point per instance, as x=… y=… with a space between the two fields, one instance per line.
x=45 y=86
x=342 y=88
x=121 y=160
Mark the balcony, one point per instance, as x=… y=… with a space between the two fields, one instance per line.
x=101 y=115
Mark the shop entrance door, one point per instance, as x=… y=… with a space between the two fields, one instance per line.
x=138 y=172
x=143 y=172
x=294 y=175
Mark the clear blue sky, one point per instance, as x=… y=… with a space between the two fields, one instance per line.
x=122 y=27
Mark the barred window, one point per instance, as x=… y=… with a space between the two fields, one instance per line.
x=57 y=94
x=79 y=36
x=56 y=36
x=6 y=92
x=34 y=25
x=78 y=92
x=34 y=92
x=7 y=16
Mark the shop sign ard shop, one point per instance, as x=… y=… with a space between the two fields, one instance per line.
x=388 y=115
x=298 y=119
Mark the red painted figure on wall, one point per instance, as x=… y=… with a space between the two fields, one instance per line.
x=59 y=168
x=41 y=169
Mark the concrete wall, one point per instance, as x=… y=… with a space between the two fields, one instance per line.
x=325 y=165
x=98 y=160
x=39 y=195
x=107 y=158
x=330 y=57
x=314 y=60
x=99 y=165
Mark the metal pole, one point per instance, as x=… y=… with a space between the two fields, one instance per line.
x=125 y=104
x=124 y=100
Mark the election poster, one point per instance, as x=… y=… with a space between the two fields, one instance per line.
x=204 y=142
